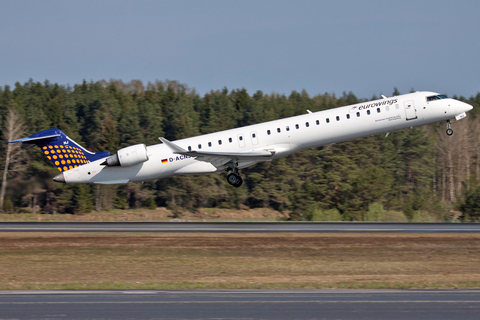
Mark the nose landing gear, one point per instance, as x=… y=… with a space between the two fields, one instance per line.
x=449 y=129
x=233 y=178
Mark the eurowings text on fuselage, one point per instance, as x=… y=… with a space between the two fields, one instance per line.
x=238 y=148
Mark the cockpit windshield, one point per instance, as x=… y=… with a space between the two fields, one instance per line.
x=437 y=97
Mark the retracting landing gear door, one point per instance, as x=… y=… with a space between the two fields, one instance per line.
x=410 y=111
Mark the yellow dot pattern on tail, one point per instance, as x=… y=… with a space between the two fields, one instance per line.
x=64 y=157
x=60 y=150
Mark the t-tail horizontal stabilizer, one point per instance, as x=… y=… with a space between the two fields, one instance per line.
x=62 y=151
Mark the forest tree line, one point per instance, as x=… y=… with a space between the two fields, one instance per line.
x=415 y=174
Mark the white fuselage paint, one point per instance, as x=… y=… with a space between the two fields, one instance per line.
x=395 y=113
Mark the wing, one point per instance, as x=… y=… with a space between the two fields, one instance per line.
x=219 y=159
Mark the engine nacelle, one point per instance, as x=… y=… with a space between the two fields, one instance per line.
x=128 y=156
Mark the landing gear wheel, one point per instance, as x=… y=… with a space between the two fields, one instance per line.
x=234 y=179
x=449 y=128
x=239 y=182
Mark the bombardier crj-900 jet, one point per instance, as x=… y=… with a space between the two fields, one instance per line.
x=230 y=150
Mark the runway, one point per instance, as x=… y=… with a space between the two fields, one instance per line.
x=231 y=227
x=242 y=304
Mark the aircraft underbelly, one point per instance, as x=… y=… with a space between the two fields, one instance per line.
x=197 y=167
x=283 y=149
x=95 y=172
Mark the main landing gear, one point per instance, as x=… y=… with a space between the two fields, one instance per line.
x=233 y=177
x=449 y=129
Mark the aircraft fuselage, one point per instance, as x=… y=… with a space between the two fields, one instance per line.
x=280 y=137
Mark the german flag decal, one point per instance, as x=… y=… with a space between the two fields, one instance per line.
x=164 y=160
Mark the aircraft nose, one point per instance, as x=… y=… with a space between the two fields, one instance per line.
x=59 y=178
x=468 y=107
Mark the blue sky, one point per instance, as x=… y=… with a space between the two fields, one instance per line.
x=367 y=47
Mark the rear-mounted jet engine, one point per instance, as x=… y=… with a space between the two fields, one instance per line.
x=129 y=156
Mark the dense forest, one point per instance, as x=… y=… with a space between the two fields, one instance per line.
x=420 y=174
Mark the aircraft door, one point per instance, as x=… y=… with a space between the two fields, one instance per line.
x=410 y=111
x=241 y=140
x=253 y=134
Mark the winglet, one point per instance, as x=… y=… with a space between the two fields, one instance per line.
x=172 y=146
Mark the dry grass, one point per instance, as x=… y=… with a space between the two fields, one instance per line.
x=47 y=261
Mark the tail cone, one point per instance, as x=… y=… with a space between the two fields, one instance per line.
x=59 y=178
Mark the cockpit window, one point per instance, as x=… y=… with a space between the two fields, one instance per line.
x=437 y=97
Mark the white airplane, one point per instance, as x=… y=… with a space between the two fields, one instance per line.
x=230 y=150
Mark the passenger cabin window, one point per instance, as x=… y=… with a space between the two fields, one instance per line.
x=209 y=144
x=199 y=146
x=297 y=126
x=240 y=138
x=328 y=120
x=317 y=122
x=338 y=118
x=378 y=110
x=437 y=97
x=358 y=114
x=368 y=112
x=253 y=135
x=219 y=142
x=348 y=116
x=278 y=130
x=230 y=140
x=307 y=124
x=287 y=128
x=268 y=132
x=189 y=148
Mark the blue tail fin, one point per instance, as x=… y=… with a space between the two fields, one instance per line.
x=62 y=151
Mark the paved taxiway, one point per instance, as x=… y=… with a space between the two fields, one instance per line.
x=236 y=227
x=242 y=304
